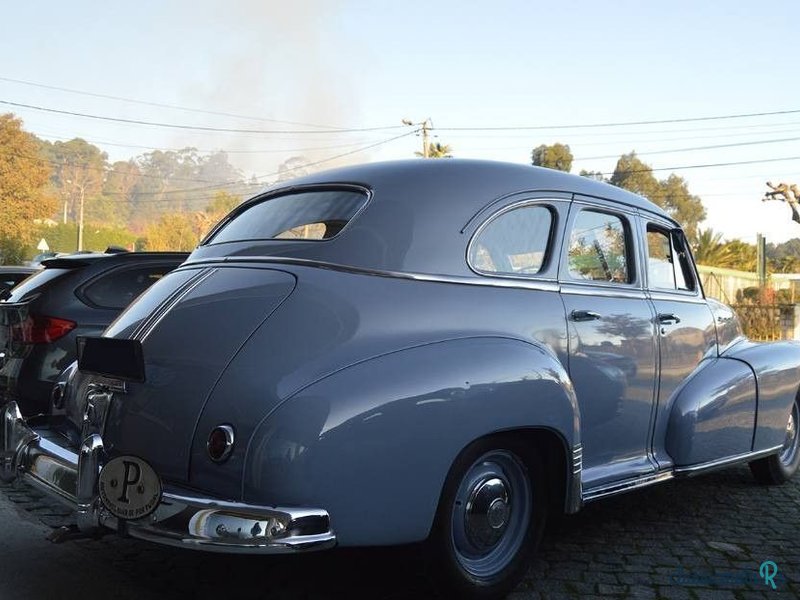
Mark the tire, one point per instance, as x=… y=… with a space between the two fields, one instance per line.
x=489 y=521
x=779 y=468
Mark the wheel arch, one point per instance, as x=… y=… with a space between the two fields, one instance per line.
x=373 y=443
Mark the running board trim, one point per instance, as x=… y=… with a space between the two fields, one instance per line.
x=627 y=485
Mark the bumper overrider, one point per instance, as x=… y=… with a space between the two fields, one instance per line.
x=176 y=518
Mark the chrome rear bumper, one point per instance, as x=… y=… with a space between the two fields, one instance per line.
x=182 y=518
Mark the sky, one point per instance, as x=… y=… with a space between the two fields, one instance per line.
x=294 y=74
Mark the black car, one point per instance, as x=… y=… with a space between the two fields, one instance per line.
x=11 y=276
x=79 y=294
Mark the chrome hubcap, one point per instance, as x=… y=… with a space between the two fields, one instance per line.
x=790 y=444
x=487 y=512
x=491 y=514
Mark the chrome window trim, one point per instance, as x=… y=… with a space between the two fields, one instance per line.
x=551 y=236
x=659 y=294
x=606 y=291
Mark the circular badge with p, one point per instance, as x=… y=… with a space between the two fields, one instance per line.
x=129 y=488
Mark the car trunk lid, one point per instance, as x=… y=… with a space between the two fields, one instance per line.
x=203 y=318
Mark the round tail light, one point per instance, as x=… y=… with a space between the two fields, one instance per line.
x=220 y=443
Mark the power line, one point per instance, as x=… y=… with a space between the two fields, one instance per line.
x=714 y=147
x=196 y=127
x=710 y=165
x=206 y=150
x=279 y=172
x=162 y=105
x=623 y=123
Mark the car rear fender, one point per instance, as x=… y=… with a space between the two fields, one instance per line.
x=373 y=442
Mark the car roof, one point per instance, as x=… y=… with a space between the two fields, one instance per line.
x=477 y=181
x=421 y=213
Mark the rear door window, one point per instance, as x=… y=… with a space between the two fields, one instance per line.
x=308 y=215
x=598 y=248
x=118 y=288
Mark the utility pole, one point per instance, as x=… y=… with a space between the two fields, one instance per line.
x=80 y=220
x=761 y=260
x=82 y=189
x=425 y=127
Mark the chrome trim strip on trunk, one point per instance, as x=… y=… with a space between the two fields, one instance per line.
x=182 y=518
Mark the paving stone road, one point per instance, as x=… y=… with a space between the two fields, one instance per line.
x=689 y=539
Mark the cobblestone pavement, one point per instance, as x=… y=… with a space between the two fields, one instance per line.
x=694 y=539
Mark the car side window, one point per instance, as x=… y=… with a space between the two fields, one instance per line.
x=117 y=289
x=598 y=248
x=666 y=267
x=513 y=243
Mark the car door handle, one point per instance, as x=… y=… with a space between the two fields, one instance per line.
x=668 y=319
x=584 y=315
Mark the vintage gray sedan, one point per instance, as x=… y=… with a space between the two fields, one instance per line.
x=391 y=353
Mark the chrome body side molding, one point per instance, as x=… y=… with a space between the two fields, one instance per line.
x=721 y=463
x=687 y=471
x=627 y=485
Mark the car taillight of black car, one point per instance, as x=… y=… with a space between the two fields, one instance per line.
x=40 y=329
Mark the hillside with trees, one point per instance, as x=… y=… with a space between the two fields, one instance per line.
x=159 y=200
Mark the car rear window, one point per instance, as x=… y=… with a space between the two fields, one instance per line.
x=32 y=283
x=118 y=288
x=308 y=215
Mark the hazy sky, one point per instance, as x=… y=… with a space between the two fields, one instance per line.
x=314 y=65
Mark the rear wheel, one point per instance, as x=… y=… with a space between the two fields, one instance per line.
x=489 y=521
x=780 y=467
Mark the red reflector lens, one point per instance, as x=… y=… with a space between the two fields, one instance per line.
x=220 y=443
x=38 y=329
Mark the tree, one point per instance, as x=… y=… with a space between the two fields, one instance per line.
x=635 y=176
x=221 y=205
x=672 y=194
x=24 y=177
x=292 y=167
x=78 y=173
x=743 y=256
x=438 y=150
x=175 y=232
x=674 y=197
x=596 y=175
x=709 y=249
x=118 y=194
x=558 y=157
